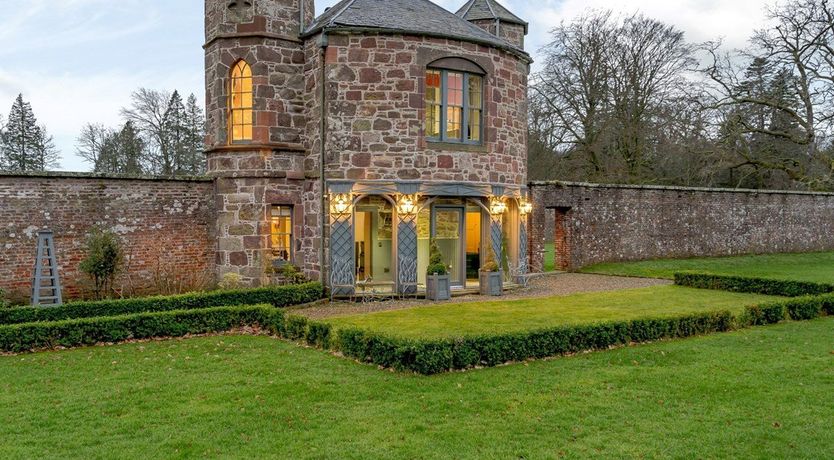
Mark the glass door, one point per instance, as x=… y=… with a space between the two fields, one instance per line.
x=447 y=230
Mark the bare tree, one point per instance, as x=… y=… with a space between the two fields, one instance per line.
x=790 y=102
x=91 y=142
x=649 y=61
x=572 y=93
x=148 y=113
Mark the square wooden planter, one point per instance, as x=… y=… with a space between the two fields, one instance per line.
x=438 y=287
x=492 y=283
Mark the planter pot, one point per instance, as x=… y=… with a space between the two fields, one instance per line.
x=492 y=283
x=438 y=287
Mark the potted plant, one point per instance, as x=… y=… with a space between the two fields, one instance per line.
x=438 y=284
x=491 y=276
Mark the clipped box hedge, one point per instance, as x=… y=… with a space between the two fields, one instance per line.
x=432 y=356
x=785 y=288
x=177 y=323
x=277 y=296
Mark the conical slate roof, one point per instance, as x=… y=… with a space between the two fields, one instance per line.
x=475 y=10
x=417 y=17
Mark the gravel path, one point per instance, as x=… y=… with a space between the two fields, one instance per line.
x=556 y=284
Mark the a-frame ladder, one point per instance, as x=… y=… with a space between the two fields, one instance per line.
x=46 y=283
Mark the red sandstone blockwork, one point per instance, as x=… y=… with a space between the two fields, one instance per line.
x=166 y=227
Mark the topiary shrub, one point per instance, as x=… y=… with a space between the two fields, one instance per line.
x=103 y=262
x=490 y=265
x=436 y=265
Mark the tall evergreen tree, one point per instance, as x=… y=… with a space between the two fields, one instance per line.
x=176 y=134
x=196 y=130
x=131 y=149
x=25 y=145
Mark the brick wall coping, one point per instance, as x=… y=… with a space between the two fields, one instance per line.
x=676 y=188
x=93 y=175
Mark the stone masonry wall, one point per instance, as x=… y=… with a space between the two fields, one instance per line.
x=607 y=223
x=375 y=100
x=166 y=227
x=273 y=168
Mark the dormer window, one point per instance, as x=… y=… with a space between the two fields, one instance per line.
x=454 y=103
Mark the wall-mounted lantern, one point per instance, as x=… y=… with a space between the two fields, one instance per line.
x=407 y=205
x=341 y=204
x=497 y=206
x=525 y=206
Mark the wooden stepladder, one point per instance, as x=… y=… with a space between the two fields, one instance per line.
x=46 y=283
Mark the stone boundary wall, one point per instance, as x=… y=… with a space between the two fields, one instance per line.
x=166 y=225
x=607 y=223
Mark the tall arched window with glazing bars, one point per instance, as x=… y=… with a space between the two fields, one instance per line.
x=240 y=103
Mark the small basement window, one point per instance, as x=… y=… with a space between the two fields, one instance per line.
x=281 y=233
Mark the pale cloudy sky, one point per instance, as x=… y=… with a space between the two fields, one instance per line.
x=77 y=61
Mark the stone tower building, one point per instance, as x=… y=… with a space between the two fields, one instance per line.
x=266 y=162
x=345 y=143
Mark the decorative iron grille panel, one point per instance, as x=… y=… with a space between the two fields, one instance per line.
x=407 y=254
x=342 y=280
x=522 y=248
x=496 y=235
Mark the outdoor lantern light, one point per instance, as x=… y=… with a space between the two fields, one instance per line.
x=525 y=207
x=341 y=203
x=497 y=206
x=408 y=205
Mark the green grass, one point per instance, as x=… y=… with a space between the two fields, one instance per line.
x=813 y=267
x=549 y=257
x=521 y=315
x=756 y=393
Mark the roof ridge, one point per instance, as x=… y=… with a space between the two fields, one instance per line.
x=468 y=7
x=345 y=8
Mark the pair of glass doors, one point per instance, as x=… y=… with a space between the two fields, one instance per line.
x=458 y=233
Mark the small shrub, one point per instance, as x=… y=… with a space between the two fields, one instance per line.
x=436 y=265
x=230 y=281
x=490 y=265
x=3 y=302
x=293 y=275
x=103 y=262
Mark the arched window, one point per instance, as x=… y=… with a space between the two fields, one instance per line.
x=240 y=103
x=454 y=101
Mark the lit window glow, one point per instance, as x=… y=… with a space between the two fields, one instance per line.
x=281 y=233
x=454 y=106
x=240 y=103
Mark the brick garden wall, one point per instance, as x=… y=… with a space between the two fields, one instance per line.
x=166 y=227
x=605 y=223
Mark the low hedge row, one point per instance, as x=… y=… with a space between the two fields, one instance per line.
x=89 y=331
x=441 y=355
x=797 y=309
x=277 y=296
x=764 y=286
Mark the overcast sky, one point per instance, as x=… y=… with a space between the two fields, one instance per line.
x=77 y=61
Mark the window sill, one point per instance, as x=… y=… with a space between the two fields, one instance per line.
x=455 y=146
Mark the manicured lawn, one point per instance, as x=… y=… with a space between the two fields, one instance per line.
x=762 y=392
x=815 y=267
x=520 y=315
